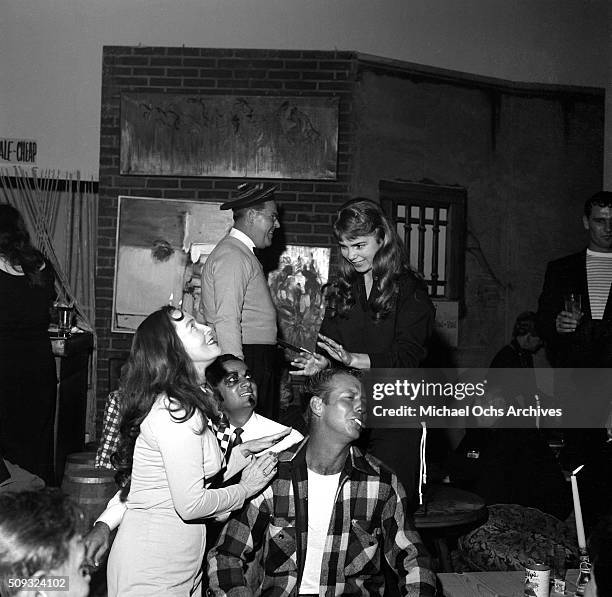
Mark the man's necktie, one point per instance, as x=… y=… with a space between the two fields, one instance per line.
x=236 y=441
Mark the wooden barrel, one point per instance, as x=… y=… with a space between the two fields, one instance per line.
x=79 y=460
x=90 y=488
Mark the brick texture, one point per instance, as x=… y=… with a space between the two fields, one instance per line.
x=307 y=206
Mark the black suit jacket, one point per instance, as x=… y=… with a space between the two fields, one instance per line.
x=591 y=344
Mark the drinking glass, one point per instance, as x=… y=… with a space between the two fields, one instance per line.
x=558 y=570
x=573 y=304
x=64 y=316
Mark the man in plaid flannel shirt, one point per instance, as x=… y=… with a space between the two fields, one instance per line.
x=362 y=518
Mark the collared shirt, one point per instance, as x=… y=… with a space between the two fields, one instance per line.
x=369 y=517
x=255 y=428
x=242 y=237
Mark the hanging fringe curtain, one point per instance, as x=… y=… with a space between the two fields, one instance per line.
x=51 y=214
x=39 y=200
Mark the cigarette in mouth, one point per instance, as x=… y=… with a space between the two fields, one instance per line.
x=358 y=421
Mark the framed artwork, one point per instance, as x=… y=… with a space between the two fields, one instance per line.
x=296 y=291
x=228 y=135
x=161 y=245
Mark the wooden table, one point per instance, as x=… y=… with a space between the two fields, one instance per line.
x=495 y=584
x=448 y=512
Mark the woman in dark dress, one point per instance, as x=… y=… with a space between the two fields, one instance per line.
x=378 y=314
x=27 y=367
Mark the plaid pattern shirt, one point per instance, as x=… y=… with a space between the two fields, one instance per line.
x=369 y=520
x=110 y=431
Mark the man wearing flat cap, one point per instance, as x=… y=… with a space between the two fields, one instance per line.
x=236 y=298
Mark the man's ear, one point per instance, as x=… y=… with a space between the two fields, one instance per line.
x=316 y=406
x=250 y=215
x=585 y=222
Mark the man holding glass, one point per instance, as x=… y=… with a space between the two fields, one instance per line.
x=575 y=320
x=574 y=313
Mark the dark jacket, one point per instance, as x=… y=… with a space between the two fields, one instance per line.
x=591 y=344
x=398 y=340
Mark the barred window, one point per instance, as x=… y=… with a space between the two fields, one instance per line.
x=430 y=219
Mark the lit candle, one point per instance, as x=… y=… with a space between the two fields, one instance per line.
x=171 y=298
x=578 y=509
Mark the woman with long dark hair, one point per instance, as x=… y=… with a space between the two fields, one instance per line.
x=27 y=367
x=167 y=454
x=378 y=314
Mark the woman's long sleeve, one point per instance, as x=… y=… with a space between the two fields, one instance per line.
x=413 y=328
x=182 y=452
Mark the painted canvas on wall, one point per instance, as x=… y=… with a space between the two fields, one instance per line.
x=296 y=291
x=161 y=246
x=228 y=135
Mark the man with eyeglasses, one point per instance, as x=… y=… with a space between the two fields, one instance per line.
x=236 y=299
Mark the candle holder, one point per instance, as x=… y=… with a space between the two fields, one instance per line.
x=584 y=575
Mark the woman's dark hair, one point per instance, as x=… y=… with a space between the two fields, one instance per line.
x=36 y=528
x=158 y=364
x=16 y=246
x=363 y=217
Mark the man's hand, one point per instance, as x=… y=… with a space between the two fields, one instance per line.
x=97 y=542
x=567 y=322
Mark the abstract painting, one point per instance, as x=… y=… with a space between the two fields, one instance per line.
x=161 y=246
x=296 y=291
x=229 y=135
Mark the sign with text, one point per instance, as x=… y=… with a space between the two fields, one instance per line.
x=18 y=151
x=447 y=321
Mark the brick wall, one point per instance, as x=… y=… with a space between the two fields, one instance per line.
x=307 y=206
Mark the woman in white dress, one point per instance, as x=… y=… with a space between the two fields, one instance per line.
x=166 y=457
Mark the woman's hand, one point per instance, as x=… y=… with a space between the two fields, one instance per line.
x=308 y=364
x=255 y=446
x=258 y=473
x=335 y=350
x=357 y=360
